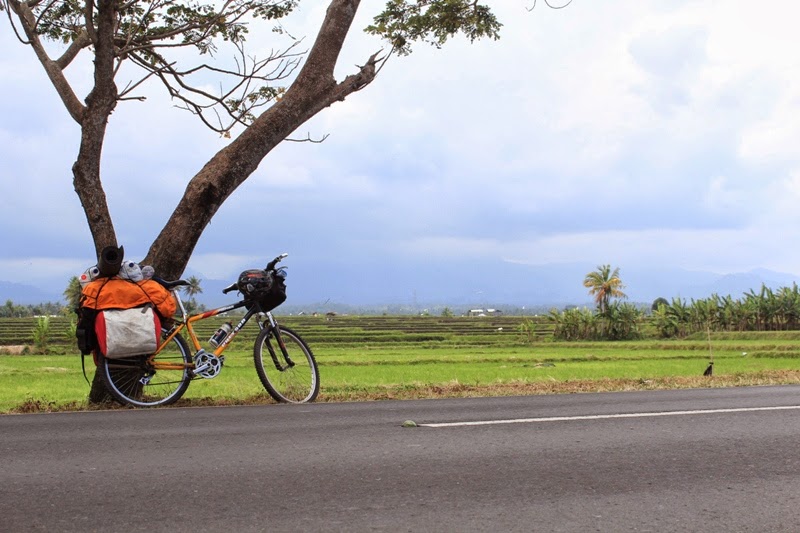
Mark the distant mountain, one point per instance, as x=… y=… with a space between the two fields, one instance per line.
x=485 y=284
x=26 y=294
x=410 y=285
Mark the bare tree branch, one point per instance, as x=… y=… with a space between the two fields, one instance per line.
x=89 y=23
x=308 y=139
x=75 y=108
x=81 y=42
x=249 y=71
x=551 y=6
x=8 y=9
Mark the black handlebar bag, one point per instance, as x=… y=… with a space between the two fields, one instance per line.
x=267 y=288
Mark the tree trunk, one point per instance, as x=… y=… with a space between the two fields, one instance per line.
x=86 y=171
x=314 y=89
x=99 y=105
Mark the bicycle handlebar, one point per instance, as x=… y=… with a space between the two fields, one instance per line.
x=271 y=264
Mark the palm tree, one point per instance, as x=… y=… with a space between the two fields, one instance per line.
x=604 y=284
x=73 y=293
x=193 y=288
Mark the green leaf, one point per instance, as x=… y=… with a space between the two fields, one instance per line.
x=404 y=22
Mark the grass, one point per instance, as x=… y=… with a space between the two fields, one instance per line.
x=51 y=383
x=372 y=358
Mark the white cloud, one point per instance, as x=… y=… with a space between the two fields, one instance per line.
x=43 y=270
x=221 y=265
x=713 y=250
x=438 y=247
x=646 y=132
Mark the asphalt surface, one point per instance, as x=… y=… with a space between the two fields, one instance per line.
x=638 y=461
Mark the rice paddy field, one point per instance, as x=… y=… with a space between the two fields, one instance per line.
x=404 y=357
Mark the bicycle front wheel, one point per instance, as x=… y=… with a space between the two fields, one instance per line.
x=286 y=366
x=140 y=382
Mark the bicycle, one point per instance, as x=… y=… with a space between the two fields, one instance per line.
x=284 y=362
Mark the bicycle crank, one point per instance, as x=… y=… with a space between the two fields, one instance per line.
x=207 y=365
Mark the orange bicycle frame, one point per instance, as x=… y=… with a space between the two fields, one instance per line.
x=186 y=323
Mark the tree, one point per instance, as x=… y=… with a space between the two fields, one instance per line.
x=621 y=321
x=73 y=293
x=144 y=40
x=574 y=324
x=658 y=302
x=11 y=310
x=191 y=290
x=604 y=284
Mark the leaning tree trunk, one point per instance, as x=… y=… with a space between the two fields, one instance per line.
x=314 y=89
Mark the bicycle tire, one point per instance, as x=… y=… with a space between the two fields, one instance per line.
x=124 y=378
x=298 y=383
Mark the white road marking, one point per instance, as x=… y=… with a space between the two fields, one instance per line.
x=603 y=417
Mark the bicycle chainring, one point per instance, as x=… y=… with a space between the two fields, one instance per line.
x=206 y=365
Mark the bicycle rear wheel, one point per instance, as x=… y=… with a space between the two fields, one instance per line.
x=135 y=381
x=289 y=375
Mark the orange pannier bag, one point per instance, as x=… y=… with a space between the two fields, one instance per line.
x=117 y=293
x=122 y=318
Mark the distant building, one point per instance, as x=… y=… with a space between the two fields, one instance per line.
x=484 y=312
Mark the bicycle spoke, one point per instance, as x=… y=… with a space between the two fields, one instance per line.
x=136 y=381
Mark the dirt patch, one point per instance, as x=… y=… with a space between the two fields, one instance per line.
x=461 y=390
x=15 y=349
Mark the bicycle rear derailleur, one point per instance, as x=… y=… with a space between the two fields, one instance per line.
x=207 y=365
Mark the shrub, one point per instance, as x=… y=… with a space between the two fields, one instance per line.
x=41 y=334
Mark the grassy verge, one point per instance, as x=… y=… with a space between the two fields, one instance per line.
x=30 y=383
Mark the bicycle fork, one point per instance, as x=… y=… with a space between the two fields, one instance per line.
x=275 y=332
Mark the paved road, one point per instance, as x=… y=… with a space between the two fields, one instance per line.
x=566 y=463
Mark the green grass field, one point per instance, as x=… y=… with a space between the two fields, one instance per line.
x=367 y=358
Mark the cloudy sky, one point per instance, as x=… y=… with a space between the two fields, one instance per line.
x=633 y=133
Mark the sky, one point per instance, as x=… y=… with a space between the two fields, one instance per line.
x=654 y=132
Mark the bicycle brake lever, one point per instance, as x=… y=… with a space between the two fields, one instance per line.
x=230 y=288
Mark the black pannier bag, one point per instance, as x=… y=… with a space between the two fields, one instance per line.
x=84 y=330
x=262 y=286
